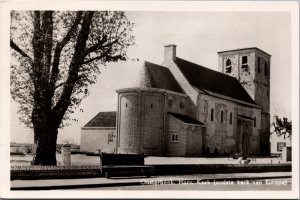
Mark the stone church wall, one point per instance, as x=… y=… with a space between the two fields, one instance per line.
x=128 y=118
x=221 y=135
x=152 y=123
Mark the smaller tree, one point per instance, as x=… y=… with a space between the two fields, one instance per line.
x=282 y=127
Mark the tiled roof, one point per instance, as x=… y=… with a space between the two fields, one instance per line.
x=156 y=76
x=103 y=119
x=185 y=118
x=203 y=78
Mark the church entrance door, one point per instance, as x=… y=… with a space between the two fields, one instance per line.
x=244 y=134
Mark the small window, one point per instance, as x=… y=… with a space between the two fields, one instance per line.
x=151 y=105
x=181 y=105
x=230 y=118
x=254 y=122
x=228 y=67
x=174 y=137
x=126 y=105
x=280 y=145
x=245 y=67
x=212 y=115
x=266 y=68
x=110 y=137
x=222 y=116
x=244 y=60
x=258 y=64
x=170 y=102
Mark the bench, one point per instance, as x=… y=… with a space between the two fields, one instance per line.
x=123 y=164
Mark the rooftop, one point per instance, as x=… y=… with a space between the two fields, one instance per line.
x=103 y=119
x=249 y=48
x=156 y=76
x=185 y=119
x=203 y=78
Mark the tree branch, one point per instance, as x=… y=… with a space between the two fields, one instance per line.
x=92 y=59
x=65 y=99
x=19 y=50
x=58 y=50
x=99 y=45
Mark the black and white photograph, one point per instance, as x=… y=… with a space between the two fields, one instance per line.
x=150 y=99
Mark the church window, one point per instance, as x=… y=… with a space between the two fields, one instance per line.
x=258 y=64
x=254 y=122
x=266 y=68
x=230 y=118
x=170 y=102
x=126 y=105
x=110 y=137
x=212 y=115
x=245 y=64
x=181 y=104
x=151 y=105
x=228 y=67
x=280 y=145
x=222 y=116
x=174 y=137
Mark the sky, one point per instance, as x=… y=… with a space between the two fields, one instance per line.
x=198 y=36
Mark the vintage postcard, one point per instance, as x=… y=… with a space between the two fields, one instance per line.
x=149 y=99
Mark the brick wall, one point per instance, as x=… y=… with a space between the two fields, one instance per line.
x=129 y=125
x=194 y=139
x=93 y=139
x=152 y=122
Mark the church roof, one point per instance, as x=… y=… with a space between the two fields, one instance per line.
x=185 y=119
x=103 y=119
x=156 y=76
x=203 y=78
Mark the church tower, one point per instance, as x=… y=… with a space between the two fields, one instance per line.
x=251 y=66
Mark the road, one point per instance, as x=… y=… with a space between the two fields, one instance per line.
x=261 y=184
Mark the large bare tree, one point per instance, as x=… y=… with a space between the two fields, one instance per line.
x=55 y=57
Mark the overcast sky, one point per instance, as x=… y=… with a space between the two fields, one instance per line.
x=198 y=36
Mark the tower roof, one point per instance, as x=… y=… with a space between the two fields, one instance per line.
x=249 y=48
x=156 y=76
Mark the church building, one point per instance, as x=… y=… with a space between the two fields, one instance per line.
x=180 y=108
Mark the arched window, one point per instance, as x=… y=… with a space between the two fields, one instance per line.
x=258 y=64
x=254 y=122
x=266 y=68
x=245 y=64
x=222 y=116
x=230 y=118
x=212 y=114
x=228 y=67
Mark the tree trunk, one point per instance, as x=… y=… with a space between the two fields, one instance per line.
x=45 y=146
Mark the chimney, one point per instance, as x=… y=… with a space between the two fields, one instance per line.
x=170 y=52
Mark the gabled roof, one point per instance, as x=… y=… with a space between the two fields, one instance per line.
x=156 y=76
x=203 y=78
x=103 y=119
x=185 y=119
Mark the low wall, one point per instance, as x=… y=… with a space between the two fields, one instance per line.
x=219 y=168
x=55 y=172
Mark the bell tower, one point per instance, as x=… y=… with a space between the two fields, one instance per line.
x=251 y=66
